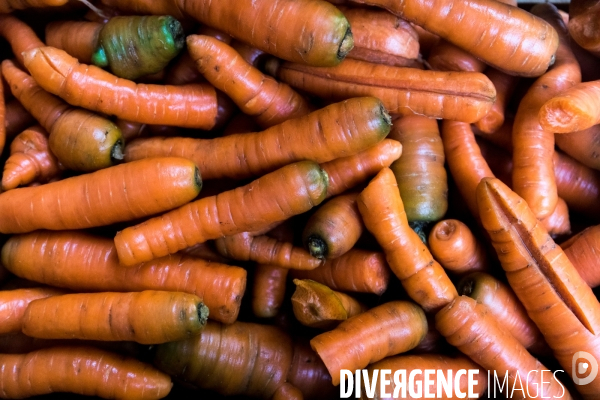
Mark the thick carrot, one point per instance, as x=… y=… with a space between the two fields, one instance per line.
x=120 y=193
x=445 y=56
x=386 y=330
x=189 y=106
x=338 y=130
x=556 y=298
x=86 y=263
x=583 y=23
x=30 y=160
x=463 y=96
x=16 y=118
x=13 y=305
x=574 y=109
x=503 y=36
x=454 y=246
x=582 y=250
x=268 y=290
x=505 y=85
x=321 y=36
x=288 y=191
x=420 y=171
x=83 y=370
x=78 y=38
x=422 y=277
x=148 y=317
x=469 y=326
x=19 y=35
x=584 y=146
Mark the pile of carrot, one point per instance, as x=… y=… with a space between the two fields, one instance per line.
x=203 y=199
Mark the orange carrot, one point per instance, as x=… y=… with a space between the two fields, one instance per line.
x=13 y=305
x=584 y=146
x=574 y=109
x=86 y=263
x=148 y=317
x=505 y=85
x=558 y=223
x=453 y=245
x=83 y=370
x=78 y=38
x=291 y=190
x=268 y=291
x=17 y=118
x=582 y=250
x=30 y=160
x=386 y=330
x=101 y=198
x=339 y=130
x=422 y=277
x=19 y=35
x=583 y=17
x=445 y=56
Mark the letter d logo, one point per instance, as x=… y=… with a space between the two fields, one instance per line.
x=581 y=368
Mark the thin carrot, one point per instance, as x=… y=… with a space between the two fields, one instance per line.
x=16 y=118
x=574 y=109
x=86 y=263
x=19 y=35
x=422 y=277
x=189 y=106
x=268 y=290
x=338 y=130
x=78 y=38
x=505 y=85
x=101 y=198
x=83 y=370
x=14 y=303
x=583 y=17
x=445 y=56
x=288 y=191
x=386 y=330
x=584 y=146
x=582 y=250
x=148 y=317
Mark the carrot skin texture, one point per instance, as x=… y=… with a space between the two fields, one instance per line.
x=581 y=250
x=19 y=35
x=268 y=291
x=14 y=302
x=386 y=330
x=101 y=198
x=83 y=370
x=583 y=24
x=584 y=146
x=572 y=110
x=454 y=246
x=78 y=38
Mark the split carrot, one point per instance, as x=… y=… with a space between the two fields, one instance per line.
x=445 y=56
x=582 y=250
x=30 y=160
x=19 y=35
x=386 y=330
x=338 y=130
x=188 y=106
x=83 y=370
x=505 y=85
x=78 y=38
x=288 y=191
x=13 y=305
x=268 y=290
x=110 y=195
x=583 y=17
x=86 y=263
x=148 y=317
x=16 y=118
x=422 y=277
x=572 y=110
x=584 y=146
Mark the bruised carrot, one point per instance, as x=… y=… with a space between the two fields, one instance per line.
x=505 y=85
x=101 y=198
x=445 y=56
x=13 y=305
x=189 y=106
x=583 y=24
x=19 y=35
x=582 y=250
x=453 y=245
x=420 y=171
x=78 y=38
x=86 y=263
x=574 y=109
x=148 y=317
x=584 y=145
x=30 y=160
x=83 y=370
x=16 y=118
x=268 y=291
x=469 y=326
x=558 y=223
x=386 y=330
x=288 y=191
x=338 y=130
x=464 y=96
x=422 y=277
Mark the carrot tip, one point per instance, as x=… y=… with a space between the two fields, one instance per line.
x=317 y=247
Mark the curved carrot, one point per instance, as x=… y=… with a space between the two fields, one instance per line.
x=420 y=171
x=101 y=198
x=86 y=263
x=505 y=85
x=30 y=160
x=445 y=56
x=584 y=146
x=571 y=110
x=83 y=370
x=338 y=130
x=583 y=17
x=503 y=36
x=422 y=277
x=453 y=245
x=148 y=317
x=268 y=291
x=16 y=118
x=582 y=250
x=463 y=96
x=19 y=35
x=386 y=330
x=288 y=191
x=78 y=38
x=189 y=106
x=14 y=302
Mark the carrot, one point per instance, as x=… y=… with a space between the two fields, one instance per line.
x=246 y=359
x=583 y=17
x=19 y=35
x=338 y=130
x=8 y=6
x=287 y=391
x=2 y=119
x=189 y=106
x=453 y=245
x=558 y=223
x=422 y=277
x=30 y=160
x=148 y=317
x=470 y=327
x=464 y=96
x=506 y=37
x=505 y=86
x=445 y=56
x=386 y=330
x=584 y=146
x=420 y=171
x=83 y=370
x=558 y=301
x=356 y=271
x=16 y=118
x=268 y=290
x=80 y=140
x=86 y=263
x=14 y=303
x=102 y=197
x=334 y=228
x=78 y=38
x=317 y=306
x=571 y=110
x=288 y=191
x=321 y=36
x=582 y=250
